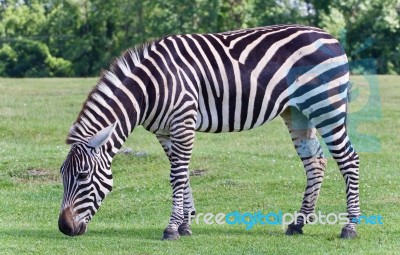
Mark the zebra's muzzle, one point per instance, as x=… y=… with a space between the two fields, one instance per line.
x=67 y=225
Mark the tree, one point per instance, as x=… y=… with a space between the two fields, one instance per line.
x=27 y=58
x=21 y=20
x=373 y=31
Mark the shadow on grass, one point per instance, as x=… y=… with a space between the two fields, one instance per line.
x=53 y=234
x=149 y=233
x=155 y=233
x=32 y=233
x=235 y=232
x=330 y=234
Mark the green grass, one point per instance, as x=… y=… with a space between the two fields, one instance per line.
x=248 y=171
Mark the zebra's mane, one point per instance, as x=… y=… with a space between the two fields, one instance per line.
x=118 y=70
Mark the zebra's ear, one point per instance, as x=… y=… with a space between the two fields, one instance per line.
x=101 y=137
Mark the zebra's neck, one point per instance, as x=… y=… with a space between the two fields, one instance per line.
x=118 y=98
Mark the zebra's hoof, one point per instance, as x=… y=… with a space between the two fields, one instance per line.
x=348 y=233
x=294 y=229
x=184 y=230
x=170 y=234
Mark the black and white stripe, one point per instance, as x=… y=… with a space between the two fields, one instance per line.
x=221 y=82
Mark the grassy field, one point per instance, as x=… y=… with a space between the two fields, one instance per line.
x=249 y=171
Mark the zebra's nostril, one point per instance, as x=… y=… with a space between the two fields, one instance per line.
x=64 y=227
x=66 y=223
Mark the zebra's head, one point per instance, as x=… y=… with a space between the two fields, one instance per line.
x=87 y=179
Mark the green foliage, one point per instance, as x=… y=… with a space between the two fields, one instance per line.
x=24 y=19
x=373 y=31
x=58 y=67
x=27 y=58
x=8 y=58
x=31 y=58
x=270 y=12
x=90 y=33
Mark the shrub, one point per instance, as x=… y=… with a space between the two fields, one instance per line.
x=28 y=58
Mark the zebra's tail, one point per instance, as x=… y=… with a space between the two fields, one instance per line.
x=348 y=100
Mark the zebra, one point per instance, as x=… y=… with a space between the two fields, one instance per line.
x=216 y=82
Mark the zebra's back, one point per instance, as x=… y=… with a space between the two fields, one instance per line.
x=244 y=78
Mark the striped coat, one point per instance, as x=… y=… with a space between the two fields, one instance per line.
x=221 y=82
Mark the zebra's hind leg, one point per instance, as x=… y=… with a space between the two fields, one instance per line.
x=308 y=148
x=339 y=145
x=188 y=201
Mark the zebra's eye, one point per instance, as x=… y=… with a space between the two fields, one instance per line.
x=83 y=176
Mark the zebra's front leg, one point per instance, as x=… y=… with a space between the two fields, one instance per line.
x=188 y=201
x=188 y=211
x=181 y=144
x=178 y=178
